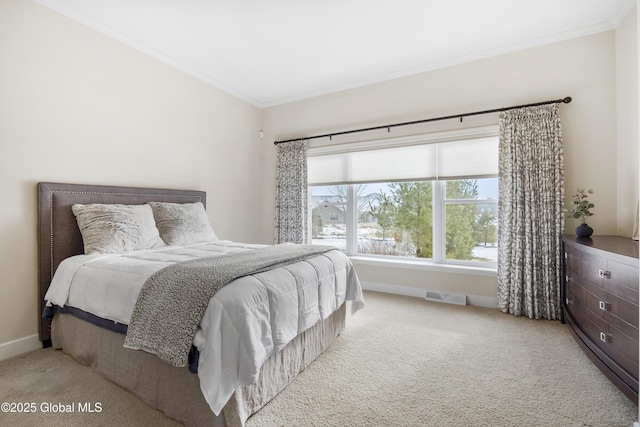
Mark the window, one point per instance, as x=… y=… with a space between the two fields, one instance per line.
x=328 y=212
x=445 y=212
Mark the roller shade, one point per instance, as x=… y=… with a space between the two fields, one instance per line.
x=454 y=159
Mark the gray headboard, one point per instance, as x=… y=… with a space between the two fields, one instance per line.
x=58 y=233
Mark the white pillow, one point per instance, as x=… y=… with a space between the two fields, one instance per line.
x=182 y=223
x=116 y=228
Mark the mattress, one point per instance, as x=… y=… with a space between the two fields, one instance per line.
x=246 y=321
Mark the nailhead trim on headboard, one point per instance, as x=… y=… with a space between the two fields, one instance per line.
x=51 y=219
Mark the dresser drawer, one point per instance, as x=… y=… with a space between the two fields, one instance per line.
x=572 y=260
x=592 y=266
x=622 y=311
x=623 y=349
x=592 y=327
x=622 y=281
x=588 y=295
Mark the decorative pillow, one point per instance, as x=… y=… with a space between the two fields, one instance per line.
x=116 y=228
x=182 y=223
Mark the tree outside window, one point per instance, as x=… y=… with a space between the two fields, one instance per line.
x=397 y=219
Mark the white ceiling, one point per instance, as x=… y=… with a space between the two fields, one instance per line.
x=277 y=51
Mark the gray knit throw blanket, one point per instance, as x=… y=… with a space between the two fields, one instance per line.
x=173 y=300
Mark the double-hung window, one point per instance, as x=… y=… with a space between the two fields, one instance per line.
x=431 y=196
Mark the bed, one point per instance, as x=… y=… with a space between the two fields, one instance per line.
x=241 y=381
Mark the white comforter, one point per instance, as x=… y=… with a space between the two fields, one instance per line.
x=246 y=321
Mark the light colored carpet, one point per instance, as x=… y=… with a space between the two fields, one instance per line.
x=400 y=362
x=50 y=377
x=408 y=362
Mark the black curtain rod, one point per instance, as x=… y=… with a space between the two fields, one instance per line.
x=455 y=116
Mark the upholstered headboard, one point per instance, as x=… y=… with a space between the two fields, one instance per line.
x=58 y=233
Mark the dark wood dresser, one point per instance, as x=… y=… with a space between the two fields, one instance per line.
x=600 y=302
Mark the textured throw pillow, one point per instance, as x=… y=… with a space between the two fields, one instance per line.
x=116 y=228
x=182 y=223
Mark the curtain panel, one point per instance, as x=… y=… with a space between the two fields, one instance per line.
x=530 y=212
x=291 y=193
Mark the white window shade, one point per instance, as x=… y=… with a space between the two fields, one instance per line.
x=458 y=158
x=328 y=169
x=470 y=157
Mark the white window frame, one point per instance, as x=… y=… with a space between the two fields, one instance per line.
x=440 y=227
x=439 y=202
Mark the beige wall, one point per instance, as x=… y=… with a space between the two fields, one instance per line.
x=627 y=116
x=637 y=180
x=583 y=68
x=79 y=107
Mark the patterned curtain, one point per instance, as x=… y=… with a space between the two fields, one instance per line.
x=291 y=193
x=531 y=217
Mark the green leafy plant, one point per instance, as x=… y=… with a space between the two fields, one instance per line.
x=581 y=205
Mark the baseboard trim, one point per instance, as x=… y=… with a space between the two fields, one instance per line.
x=20 y=346
x=410 y=291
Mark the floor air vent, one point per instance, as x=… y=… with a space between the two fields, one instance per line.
x=448 y=298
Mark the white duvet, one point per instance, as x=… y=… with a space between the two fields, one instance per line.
x=246 y=321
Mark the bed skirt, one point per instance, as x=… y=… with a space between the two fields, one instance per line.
x=176 y=391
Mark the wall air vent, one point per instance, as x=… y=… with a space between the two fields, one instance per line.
x=448 y=298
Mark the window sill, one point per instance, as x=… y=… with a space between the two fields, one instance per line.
x=423 y=265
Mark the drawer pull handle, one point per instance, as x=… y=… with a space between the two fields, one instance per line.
x=605 y=337
x=604 y=306
x=604 y=274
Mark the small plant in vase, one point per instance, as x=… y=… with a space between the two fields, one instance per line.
x=581 y=206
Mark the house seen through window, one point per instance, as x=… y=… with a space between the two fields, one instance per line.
x=446 y=212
